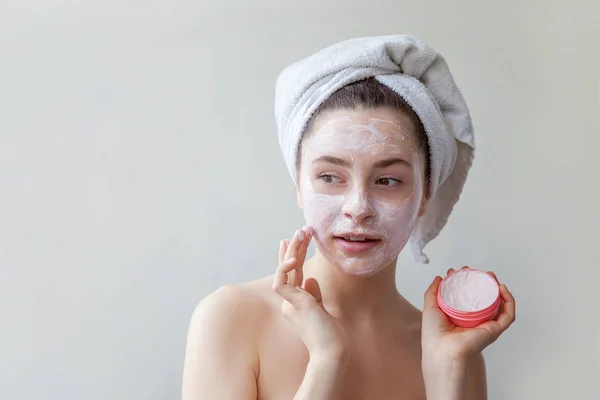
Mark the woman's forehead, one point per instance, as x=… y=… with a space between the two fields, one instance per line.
x=360 y=133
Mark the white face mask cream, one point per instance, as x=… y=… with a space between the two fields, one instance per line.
x=468 y=290
x=361 y=187
x=469 y=297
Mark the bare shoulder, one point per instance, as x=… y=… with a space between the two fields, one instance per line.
x=221 y=357
x=241 y=305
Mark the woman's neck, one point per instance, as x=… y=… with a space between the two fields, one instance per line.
x=352 y=297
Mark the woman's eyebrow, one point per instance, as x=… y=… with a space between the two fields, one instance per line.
x=333 y=160
x=391 y=161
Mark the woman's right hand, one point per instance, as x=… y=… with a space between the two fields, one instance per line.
x=303 y=307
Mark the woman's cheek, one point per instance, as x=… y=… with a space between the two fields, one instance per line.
x=320 y=212
x=397 y=221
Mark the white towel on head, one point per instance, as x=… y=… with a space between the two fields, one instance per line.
x=421 y=77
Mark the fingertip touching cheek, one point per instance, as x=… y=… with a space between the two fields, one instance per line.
x=361 y=188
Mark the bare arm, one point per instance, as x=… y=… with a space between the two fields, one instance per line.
x=220 y=356
x=454 y=380
x=477 y=387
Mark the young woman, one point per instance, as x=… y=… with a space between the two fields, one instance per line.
x=334 y=326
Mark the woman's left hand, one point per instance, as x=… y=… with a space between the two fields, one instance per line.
x=442 y=340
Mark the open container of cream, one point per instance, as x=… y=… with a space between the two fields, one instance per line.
x=469 y=297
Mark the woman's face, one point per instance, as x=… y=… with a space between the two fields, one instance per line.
x=361 y=187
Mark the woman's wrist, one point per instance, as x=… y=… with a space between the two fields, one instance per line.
x=322 y=378
x=333 y=365
x=446 y=378
x=338 y=356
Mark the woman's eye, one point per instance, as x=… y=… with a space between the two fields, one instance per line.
x=388 y=182
x=330 y=179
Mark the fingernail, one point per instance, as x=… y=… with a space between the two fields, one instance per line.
x=301 y=235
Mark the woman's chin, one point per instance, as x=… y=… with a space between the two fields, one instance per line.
x=362 y=266
x=359 y=268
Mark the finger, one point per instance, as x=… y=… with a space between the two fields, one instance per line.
x=281 y=274
x=430 y=299
x=287 y=245
x=293 y=277
x=281 y=278
x=508 y=315
x=292 y=250
x=451 y=270
x=465 y=267
x=282 y=249
x=297 y=275
x=312 y=287
x=303 y=245
x=302 y=256
x=493 y=276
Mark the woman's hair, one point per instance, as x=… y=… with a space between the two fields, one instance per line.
x=369 y=94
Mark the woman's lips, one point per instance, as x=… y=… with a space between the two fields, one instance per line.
x=355 y=247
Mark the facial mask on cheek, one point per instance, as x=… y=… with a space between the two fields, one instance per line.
x=389 y=220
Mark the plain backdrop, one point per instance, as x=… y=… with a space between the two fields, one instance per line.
x=140 y=171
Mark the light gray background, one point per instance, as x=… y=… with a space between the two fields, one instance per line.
x=140 y=170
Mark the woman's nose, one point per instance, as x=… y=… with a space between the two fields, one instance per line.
x=358 y=208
